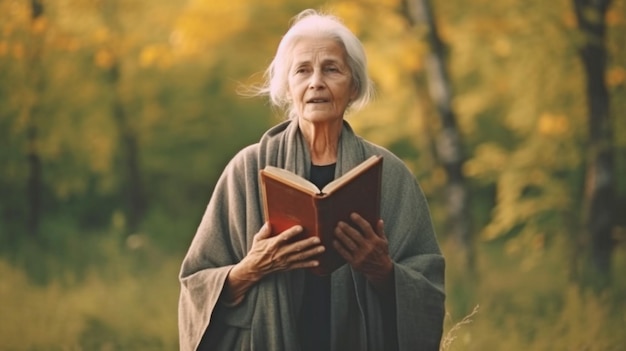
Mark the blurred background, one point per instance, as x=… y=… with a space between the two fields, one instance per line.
x=117 y=117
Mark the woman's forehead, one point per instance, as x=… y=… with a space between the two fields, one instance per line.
x=310 y=49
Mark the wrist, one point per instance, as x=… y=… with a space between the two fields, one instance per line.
x=382 y=277
x=241 y=272
x=385 y=270
x=238 y=282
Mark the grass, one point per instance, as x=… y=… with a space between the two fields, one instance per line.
x=529 y=304
x=124 y=297
x=126 y=302
x=451 y=334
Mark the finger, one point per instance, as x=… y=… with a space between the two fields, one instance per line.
x=380 y=229
x=306 y=253
x=290 y=233
x=265 y=231
x=304 y=244
x=347 y=255
x=302 y=258
x=365 y=226
x=348 y=236
x=304 y=264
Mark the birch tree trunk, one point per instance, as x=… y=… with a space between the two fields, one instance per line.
x=449 y=148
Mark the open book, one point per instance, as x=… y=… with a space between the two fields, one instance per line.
x=289 y=200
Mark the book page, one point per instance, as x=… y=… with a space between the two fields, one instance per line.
x=351 y=174
x=292 y=178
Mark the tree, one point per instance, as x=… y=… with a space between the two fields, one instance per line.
x=31 y=113
x=599 y=200
x=111 y=59
x=449 y=147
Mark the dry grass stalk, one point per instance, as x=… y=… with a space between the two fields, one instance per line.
x=450 y=335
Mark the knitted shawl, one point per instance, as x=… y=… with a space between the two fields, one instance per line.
x=266 y=319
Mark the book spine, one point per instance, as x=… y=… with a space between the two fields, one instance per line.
x=330 y=259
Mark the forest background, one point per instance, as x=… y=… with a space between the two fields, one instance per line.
x=117 y=117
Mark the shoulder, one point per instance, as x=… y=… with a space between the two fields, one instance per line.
x=245 y=159
x=398 y=180
x=391 y=162
x=247 y=153
x=257 y=155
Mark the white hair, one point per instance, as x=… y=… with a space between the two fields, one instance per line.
x=310 y=23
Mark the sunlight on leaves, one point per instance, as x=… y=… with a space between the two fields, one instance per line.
x=104 y=58
x=616 y=76
x=488 y=161
x=158 y=55
x=553 y=125
x=502 y=47
x=19 y=51
x=207 y=23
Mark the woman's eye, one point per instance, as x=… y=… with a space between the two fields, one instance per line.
x=302 y=69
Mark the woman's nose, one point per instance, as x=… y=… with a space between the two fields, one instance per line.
x=316 y=80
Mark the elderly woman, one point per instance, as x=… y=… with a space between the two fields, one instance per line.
x=243 y=288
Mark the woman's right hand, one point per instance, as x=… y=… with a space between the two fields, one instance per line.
x=270 y=254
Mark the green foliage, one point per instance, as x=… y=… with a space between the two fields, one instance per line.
x=526 y=303
x=175 y=68
x=114 y=297
x=516 y=74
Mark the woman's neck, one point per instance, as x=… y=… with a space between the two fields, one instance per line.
x=322 y=140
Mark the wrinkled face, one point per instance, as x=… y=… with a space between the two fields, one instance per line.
x=319 y=80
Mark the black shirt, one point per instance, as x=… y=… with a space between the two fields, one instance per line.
x=314 y=319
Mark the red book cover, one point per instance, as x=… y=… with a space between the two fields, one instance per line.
x=292 y=200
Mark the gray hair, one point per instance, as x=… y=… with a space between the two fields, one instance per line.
x=310 y=23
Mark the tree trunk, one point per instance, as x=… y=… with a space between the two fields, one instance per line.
x=31 y=113
x=132 y=186
x=599 y=182
x=449 y=147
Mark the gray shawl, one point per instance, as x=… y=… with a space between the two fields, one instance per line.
x=266 y=319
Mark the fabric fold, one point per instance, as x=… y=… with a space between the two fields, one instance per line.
x=266 y=318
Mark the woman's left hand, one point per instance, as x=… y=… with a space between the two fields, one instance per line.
x=365 y=249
